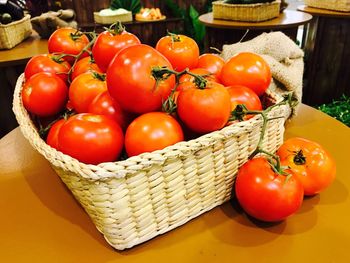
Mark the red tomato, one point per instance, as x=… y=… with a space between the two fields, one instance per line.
x=91 y=138
x=152 y=131
x=52 y=136
x=310 y=162
x=83 y=65
x=247 y=69
x=130 y=81
x=47 y=63
x=109 y=43
x=266 y=195
x=103 y=104
x=44 y=94
x=204 y=110
x=243 y=95
x=180 y=50
x=68 y=41
x=198 y=71
x=84 y=89
x=211 y=62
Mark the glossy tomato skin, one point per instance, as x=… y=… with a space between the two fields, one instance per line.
x=247 y=69
x=243 y=95
x=199 y=71
x=47 y=63
x=68 y=41
x=204 y=110
x=84 y=65
x=310 y=162
x=44 y=94
x=91 y=138
x=265 y=195
x=182 y=53
x=103 y=104
x=130 y=82
x=152 y=131
x=211 y=62
x=83 y=90
x=52 y=136
x=108 y=44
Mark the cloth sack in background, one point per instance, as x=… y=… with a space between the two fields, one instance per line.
x=284 y=57
x=47 y=23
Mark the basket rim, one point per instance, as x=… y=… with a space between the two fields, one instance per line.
x=133 y=164
x=26 y=17
x=221 y=2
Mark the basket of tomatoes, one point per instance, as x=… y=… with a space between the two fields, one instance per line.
x=146 y=138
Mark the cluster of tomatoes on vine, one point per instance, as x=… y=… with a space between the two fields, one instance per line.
x=130 y=97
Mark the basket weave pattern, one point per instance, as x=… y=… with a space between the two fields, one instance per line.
x=134 y=200
x=246 y=12
x=15 y=32
x=337 y=5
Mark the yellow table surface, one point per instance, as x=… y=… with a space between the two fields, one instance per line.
x=41 y=221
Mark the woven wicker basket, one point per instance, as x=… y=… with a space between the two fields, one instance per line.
x=246 y=12
x=134 y=200
x=108 y=20
x=15 y=32
x=337 y=5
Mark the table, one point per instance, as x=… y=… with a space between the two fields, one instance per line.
x=42 y=222
x=327 y=54
x=220 y=32
x=12 y=63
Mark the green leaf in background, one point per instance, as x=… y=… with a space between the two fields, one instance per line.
x=199 y=28
x=132 y=5
x=175 y=9
x=338 y=109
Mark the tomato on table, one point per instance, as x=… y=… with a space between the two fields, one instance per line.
x=310 y=162
x=109 y=43
x=180 y=50
x=247 y=69
x=131 y=83
x=152 y=131
x=44 y=94
x=69 y=41
x=47 y=63
x=204 y=109
x=265 y=194
x=84 y=88
x=90 y=138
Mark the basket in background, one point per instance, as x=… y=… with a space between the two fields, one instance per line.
x=15 y=32
x=246 y=12
x=336 y=5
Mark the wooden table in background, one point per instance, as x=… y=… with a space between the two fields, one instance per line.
x=327 y=53
x=42 y=222
x=220 y=32
x=12 y=62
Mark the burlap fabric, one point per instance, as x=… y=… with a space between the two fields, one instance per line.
x=282 y=54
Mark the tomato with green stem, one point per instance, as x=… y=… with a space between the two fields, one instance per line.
x=267 y=194
x=180 y=50
x=47 y=63
x=68 y=41
x=85 y=64
x=84 y=88
x=310 y=162
x=110 y=42
x=132 y=82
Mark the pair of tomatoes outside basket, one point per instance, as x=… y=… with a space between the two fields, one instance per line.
x=101 y=98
